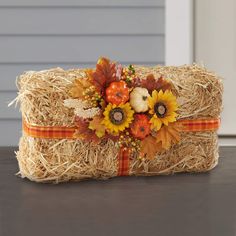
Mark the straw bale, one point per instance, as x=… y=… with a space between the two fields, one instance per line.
x=41 y=95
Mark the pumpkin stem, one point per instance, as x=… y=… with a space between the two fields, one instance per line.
x=145 y=98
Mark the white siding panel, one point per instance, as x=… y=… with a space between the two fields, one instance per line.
x=90 y=21
x=81 y=49
x=81 y=3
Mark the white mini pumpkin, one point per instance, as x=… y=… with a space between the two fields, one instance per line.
x=139 y=99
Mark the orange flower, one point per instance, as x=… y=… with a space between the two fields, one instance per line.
x=140 y=128
x=117 y=93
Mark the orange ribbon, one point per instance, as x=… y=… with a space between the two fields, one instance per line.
x=52 y=132
x=62 y=132
x=199 y=125
x=57 y=132
x=123 y=159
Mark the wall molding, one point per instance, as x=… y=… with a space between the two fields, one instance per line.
x=227 y=141
x=179 y=23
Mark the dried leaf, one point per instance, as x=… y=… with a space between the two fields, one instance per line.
x=149 y=147
x=168 y=135
x=104 y=74
x=150 y=83
x=78 y=87
x=164 y=138
x=97 y=126
x=83 y=132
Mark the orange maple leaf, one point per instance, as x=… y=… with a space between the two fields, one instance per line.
x=163 y=140
x=149 y=147
x=96 y=125
x=168 y=135
x=104 y=74
x=83 y=132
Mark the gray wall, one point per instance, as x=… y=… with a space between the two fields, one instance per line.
x=35 y=35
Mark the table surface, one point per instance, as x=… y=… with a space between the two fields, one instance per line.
x=182 y=204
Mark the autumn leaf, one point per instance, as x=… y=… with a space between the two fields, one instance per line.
x=83 y=132
x=168 y=135
x=150 y=83
x=104 y=74
x=97 y=126
x=78 y=87
x=149 y=147
x=163 y=140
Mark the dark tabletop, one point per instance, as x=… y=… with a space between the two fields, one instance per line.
x=183 y=204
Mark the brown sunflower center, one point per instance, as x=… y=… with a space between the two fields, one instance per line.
x=160 y=109
x=117 y=116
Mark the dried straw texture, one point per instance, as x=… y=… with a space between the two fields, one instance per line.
x=41 y=95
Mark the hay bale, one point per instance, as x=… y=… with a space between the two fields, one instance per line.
x=41 y=95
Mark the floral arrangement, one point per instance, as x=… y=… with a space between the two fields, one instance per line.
x=112 y=102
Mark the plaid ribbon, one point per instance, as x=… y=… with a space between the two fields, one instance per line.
x=123 y=159
x=57 y=132
x=199 y=125
x=52 y=132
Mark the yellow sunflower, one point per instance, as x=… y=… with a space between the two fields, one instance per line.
x=163 y=107
x=117 y=117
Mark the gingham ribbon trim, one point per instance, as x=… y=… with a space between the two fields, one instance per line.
x=123 y=161
x=62 y=132
x=52 y=132
x=57 y=132
x=199 y=125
